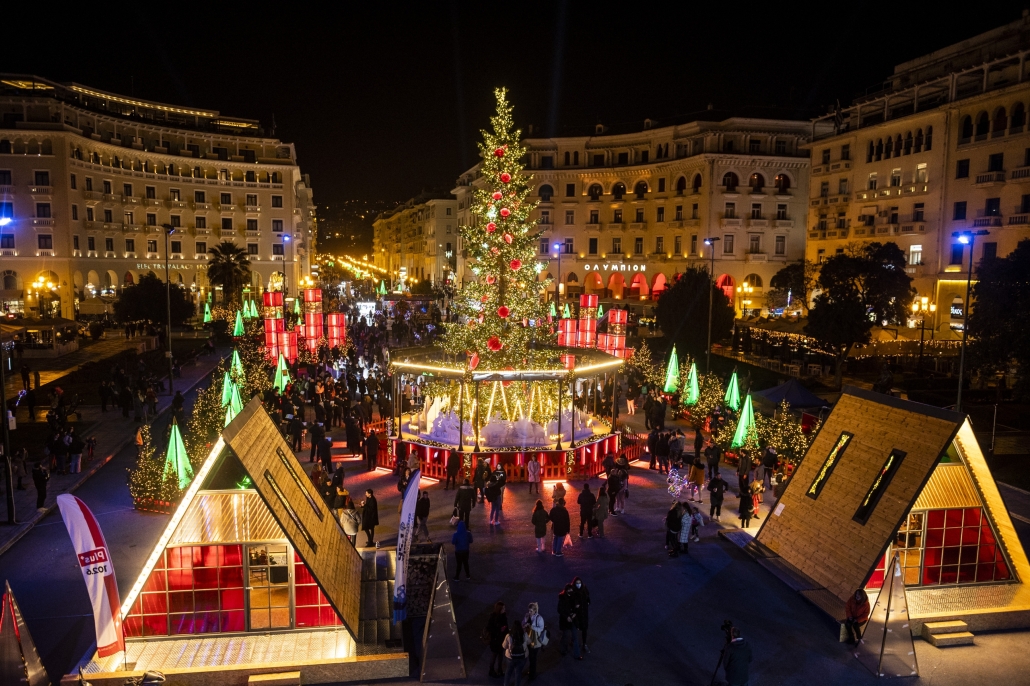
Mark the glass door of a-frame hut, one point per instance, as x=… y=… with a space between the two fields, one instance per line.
x=269 y=594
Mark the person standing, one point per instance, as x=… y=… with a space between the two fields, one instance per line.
x=856 y=614
x=496 y=630
x=479 y=479
x=534 y=626
x=652 y=447
x=696 y=479
x=369 y=517
x=560 y=527
x=699 y=442
x=296 y=434
x=516 y=645
x=371 y=449
x=567 y=622
x=769 y=460
x=736 y=659
x=453 y=466
x=422 y=517
x=756 y=491
x=40 y=475
x=746 y=510
x=462 y=541
x=601 y=510
x=501 y=479
x=464 y=501
x=586 y=501
x=713 y=453
x=717 y=487
x=18 y=465
x=686 y=523
x=582 y=603
x=539 y=521
x=673 y=521
x=533 y=474
x=105 y=394
x=325 y=453
x=75 y=448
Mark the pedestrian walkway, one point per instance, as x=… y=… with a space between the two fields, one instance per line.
x=53 y=368
x=112 y=431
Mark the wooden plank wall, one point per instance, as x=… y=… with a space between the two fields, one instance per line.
x=819 y=537
x=334 y=562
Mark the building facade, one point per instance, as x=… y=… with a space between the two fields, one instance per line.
x=418 y=239
x=630 y=211
x=944 y=148
x=88 y=178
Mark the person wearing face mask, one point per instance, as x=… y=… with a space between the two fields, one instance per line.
x=581 y=598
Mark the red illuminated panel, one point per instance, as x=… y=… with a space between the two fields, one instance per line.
x=313 y=609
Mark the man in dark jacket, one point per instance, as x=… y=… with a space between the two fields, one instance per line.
x=325 y=454
x=371 y=449
x=315 y=433
x=369 y=517
x=296 y=433
x=713 y=454
x=769 y=459
x=567 y=621
x=699 y=442
x=652 y=446
x=718 y=487
x=40 y=476
x=736 y=659
x=560 y=526
x=464 y=501
x=586 y=502
x=453 y=466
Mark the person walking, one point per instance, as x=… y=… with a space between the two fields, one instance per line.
x=464 y=501
x=493 y=496
x=686 y=522
x=18 y=465
x=696 y=479
x=601 y=510
x=369 y=517
x=717 y=487
x=533 y=474
x=713 y=453
x=371 y=450
x=746 y=510
x=495 y=631
x=422 y=517
x=539 y=521
x=479 y=479
x=567 y=622
x=516 y=645
x=736 y=659
x=558 y=492
x=501 y=478
x=652 y=447
x=769 y=460
x=586 y=501
x=560 y=527
x=582 y=605
x=75 y=448
x=856 y=614
x=350 y=520
x=453 y=467
x=534 y=627
x=755 y=491
x=462 y=541
x=673 y=522
x=40 y=475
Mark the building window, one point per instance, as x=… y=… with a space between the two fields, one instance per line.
x=129 y=218
x=107 y=187
x=638 y=245
x=71 y=182
x=43 y=210
x=623 y=158
x=781 y=211
x=89 y=214
x=677 y=245
x=956 y=254
x=996 y=162
x=661 y=185
x=252 y=248
x=592 y=246
x=448 y=209
x=570 y=217
x=960 y=210
x=200 y=222
x=618 y=191
x=151 y=193
x=754 y=146
x=599 y=160
x=915 y=255
x=277 y=225
x=75 y=211
x=660 y=214
x=7 y=241
x=152 y=247
x=617 y=216
x=130 y=245
x=730 y=182
x=201 y=247
x=992 y=207
x=545 y=216
x=569 y=246
x=109 y=244
x=842 y=187
x=277 y=201
x=175 y=220
x=252 y=225
x=546 y=192
x=781 y=245
x=277 y=249
x=826 y=156
x=225 y=199
x=693 y=244
x=821 y=225
x=731 y=210
x=871 y=185
x=780 y=147
x=595 y=217
x=75 y=242
x=659 y=244
x=842 y=221
x=547 y=162
x=595 y=192
x=895 y=178
x=727 y=244
x=176 y=247
x=91 y=243
x=174 y=194
x=990 y=251
x=879 y=486
x=824 y=189
x=570 y=190
x=616 y=246
x=754 y=244
x=199 y=196
x=917 y=212
x=127 y=190
x=845 y=151
x=89 y=182
x=756 y=210
x=639 y=215
x=108 y=216
x=42 y=178
x=962 y=169
x=544 y=247
x=46 y=241
x=694 y=212
x=226 y=223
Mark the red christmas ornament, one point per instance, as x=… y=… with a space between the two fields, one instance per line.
x=505 y=177
x=515 y=265
x=497 y=195
x=525 y=321
x=490 y=278
x=494 y=343
x=508 y=238
x=505 y=211
x=499 y=152
x=484 y=298
x=472 y=324
x=495 y=251
x=474 y=361
x=502 y=312
x=491 y=227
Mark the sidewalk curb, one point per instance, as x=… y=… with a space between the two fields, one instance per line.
x=95 y=467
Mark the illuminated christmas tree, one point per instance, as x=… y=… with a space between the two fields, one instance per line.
x=672 y=374
x=732 y=397
x=177 y=462
x=691 y=390
x=784 y=432
x=237 y=329
x=709 y=397
x=643 y=361
x=501 y=314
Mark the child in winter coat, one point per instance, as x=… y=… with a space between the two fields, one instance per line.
x=757 y=489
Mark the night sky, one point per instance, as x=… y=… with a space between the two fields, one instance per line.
x=386 y=103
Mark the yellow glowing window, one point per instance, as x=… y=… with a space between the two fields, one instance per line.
x=880 y=484
x=828 y=464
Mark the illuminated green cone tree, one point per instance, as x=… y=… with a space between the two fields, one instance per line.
x=732 y=397
x=672 y=375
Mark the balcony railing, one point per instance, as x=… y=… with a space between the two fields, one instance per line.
x=990 y=178
x=46 y=221
x=41 y=190
x=1021 y=173
x=1019 y=219
x=987 y=221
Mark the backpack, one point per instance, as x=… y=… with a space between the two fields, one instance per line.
x=517 y=650
x=492 y=492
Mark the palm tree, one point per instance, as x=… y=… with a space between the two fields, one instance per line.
x=229 y=268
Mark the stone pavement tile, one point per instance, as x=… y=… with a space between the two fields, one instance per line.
x=112 y=432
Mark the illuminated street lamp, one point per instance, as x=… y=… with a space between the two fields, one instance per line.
x=965 y=238
x=710 y=242
x=920 y=306
x=557 y=283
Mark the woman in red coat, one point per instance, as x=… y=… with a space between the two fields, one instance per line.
x=856 y=614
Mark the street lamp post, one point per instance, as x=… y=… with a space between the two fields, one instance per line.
x=8 y=457
x=169 y=230
x=557 y=283
x=965 y=238
x=710 y=242
x=920 y=307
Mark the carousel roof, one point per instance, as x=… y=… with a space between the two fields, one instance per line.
x=436 y=362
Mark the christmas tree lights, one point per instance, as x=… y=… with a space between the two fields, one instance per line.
x=691 y=391
x=746 y=434
x=672 y=374
x=732 y=397
x=177 y=462
x=237 y=329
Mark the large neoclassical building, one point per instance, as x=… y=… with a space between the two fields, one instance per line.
x=88 y=178
x=631 y=210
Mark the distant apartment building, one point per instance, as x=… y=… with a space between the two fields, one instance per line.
x=943 y=147
x=418 y=239
x=88 y=179
x=630 y=211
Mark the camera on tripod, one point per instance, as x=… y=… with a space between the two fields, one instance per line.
x=727 y=628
